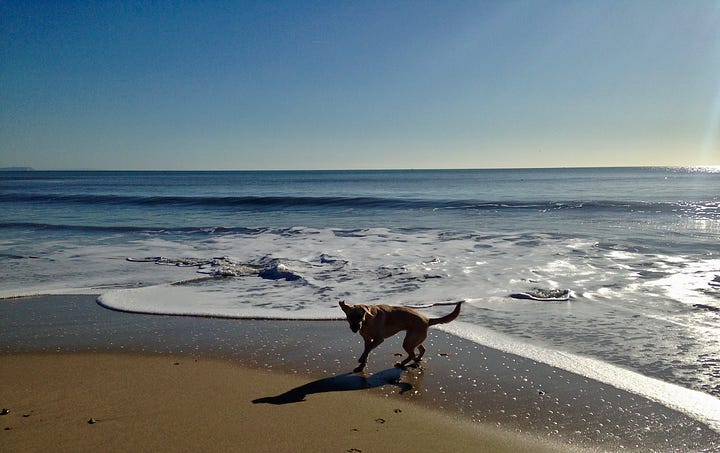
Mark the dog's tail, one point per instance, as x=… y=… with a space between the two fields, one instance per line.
x=447 y=318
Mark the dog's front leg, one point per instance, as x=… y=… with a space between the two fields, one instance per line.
x=370 y=344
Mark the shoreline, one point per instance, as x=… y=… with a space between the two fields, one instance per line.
x=459 y=379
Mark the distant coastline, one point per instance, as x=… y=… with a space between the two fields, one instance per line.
x=17 y=169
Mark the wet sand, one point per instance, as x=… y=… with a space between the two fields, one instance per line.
x=277 y=372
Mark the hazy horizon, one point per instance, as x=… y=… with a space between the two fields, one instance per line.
x=689 y=168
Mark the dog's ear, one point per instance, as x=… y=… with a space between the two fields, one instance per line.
x=343 y=305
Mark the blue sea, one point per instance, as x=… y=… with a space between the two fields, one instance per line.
x=637 y=249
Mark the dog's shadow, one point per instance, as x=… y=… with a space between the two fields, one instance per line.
x=339 y=383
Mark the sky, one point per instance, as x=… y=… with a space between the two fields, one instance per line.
x=214 y=85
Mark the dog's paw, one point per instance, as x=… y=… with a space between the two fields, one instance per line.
x=400 y=365
x=359 y=368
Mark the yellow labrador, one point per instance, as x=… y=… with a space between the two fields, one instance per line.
x=378 y=322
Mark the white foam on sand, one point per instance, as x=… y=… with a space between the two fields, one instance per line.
x=184 y=301
x=699 y=405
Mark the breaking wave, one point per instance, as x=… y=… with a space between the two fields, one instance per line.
x=707 y=209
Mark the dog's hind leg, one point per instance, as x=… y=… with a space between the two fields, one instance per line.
x=411 y=342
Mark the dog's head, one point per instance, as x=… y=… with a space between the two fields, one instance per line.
x=355 y=315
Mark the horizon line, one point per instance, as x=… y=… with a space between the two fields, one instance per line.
x=20 y=169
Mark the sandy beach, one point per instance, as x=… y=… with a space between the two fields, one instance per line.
x=127 y=402
x=78 y=377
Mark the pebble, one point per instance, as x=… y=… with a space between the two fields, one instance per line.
x=91 y=421
x=4 y=411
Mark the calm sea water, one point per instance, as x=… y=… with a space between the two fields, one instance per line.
x=637 y=247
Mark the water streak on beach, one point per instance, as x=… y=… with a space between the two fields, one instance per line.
x=636 y=247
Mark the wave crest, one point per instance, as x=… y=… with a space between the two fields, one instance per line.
x=707 y=209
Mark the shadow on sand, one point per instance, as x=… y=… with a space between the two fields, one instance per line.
x=339 y=383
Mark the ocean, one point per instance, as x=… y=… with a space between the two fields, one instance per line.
x=635 y=250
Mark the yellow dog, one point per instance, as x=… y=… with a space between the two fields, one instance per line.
x=378 y=322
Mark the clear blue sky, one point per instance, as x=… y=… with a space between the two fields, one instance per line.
x=304 y=85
